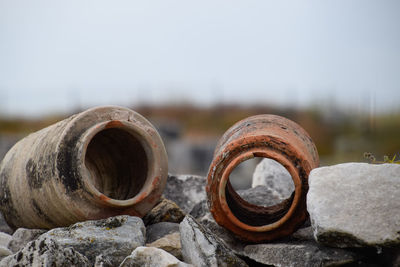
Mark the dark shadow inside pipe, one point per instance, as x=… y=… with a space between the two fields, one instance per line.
x=117 y=163
x=254 y=215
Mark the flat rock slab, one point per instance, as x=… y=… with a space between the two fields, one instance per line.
x=355 y=204
x=113 y=238
x=302 y=254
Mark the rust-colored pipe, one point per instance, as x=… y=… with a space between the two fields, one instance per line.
x=99 y=163
x=267 y=136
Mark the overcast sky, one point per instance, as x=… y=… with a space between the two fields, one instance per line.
x=58 y=55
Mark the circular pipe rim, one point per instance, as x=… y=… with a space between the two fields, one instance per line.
x=264 y=153
x=145 y=140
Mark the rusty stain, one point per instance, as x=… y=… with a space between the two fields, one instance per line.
x=103 y=197
x=156 y=181
x=113 y=124
x=267 y=136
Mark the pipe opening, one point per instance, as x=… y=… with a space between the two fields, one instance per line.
x=269 y=199
x=117 y=163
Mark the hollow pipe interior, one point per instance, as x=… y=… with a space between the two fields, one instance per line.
x=117 y=163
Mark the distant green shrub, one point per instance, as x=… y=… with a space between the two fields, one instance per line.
x=386 y=159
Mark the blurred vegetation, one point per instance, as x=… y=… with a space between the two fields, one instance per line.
x=339 y=136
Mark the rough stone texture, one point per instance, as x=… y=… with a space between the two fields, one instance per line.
x=4 y=227
x=114 y=238
x=273 y=175
x=152 y=257
x=304 y=254
x=202 y=215
x=305 y=233
x=185 y=190
x=260 y=195
x=46 y=253
x=202 y=248
x=355 y=204
x=23 y=236
x=4 y=241
x=170 y=243
x=296 y=246
x=165 y=211
x=159 y=230
x=102 y=261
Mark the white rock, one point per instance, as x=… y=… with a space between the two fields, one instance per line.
x=272 y=174
x=23 y=236
x=150 y=256
x=4 y=239
x=355 y=204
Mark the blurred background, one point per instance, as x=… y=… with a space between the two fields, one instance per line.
x=195 y=68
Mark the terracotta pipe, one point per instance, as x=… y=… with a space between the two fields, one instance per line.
x=266 y=136
x=99 y=163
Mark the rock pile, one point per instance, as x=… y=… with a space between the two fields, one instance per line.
x=354 y=211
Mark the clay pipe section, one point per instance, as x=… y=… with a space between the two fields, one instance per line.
x=103 y=162
x=266 y=136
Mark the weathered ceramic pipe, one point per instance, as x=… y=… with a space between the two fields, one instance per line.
x=267 y=136
x=99 y=163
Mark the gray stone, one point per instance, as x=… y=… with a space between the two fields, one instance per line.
x=164 y=211
x=159 y=230
x=260 y=195
x=185 y=190
x=355 y=204
x=151 y=257
x=301 y=254
x=23 y=236
x=202 y=248
x=4 y=227
x=305 y=245
x=114 y=238
x=273 y=175
x=46 y=253
x=200 y=209
x=202 y=215
x=170 y=243
x=305 y=233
